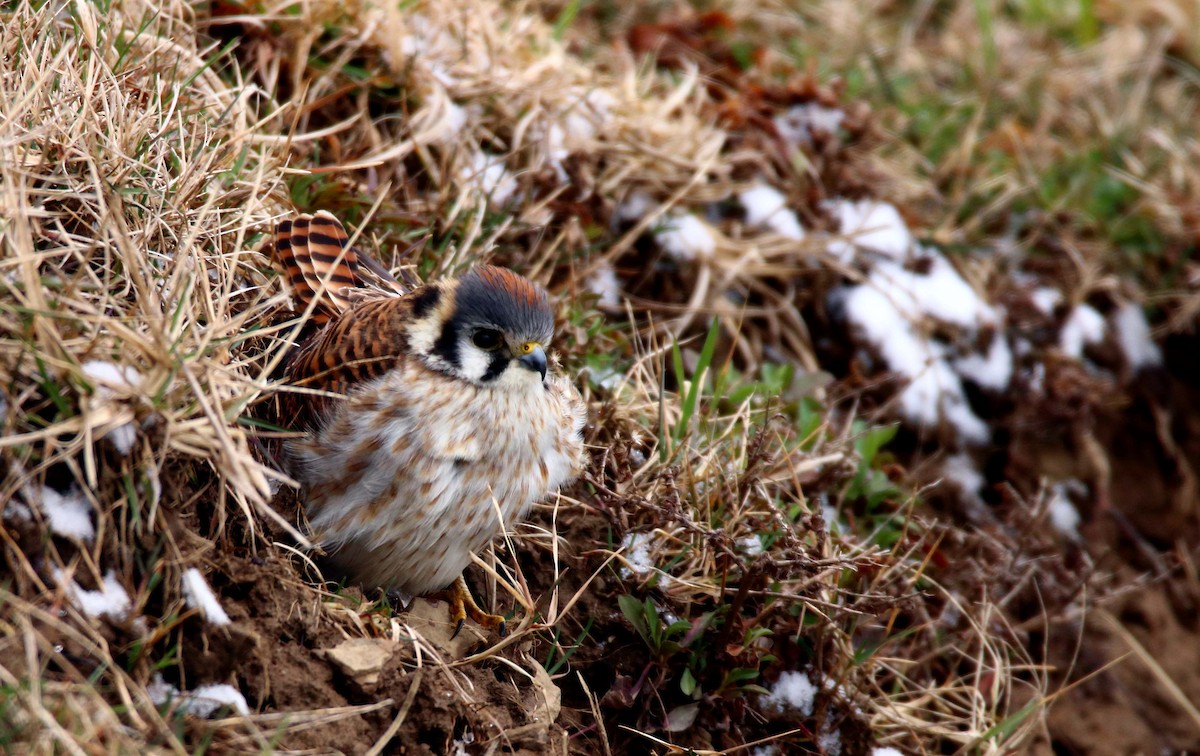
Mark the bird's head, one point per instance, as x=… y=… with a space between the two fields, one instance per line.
x=490 y=327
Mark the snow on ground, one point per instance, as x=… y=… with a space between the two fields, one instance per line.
x=577 y=128
x=426 y=45
x=111 y=380
x=491 y=176
x=202 y=702
x=1063 y=515
x=961 y=470
x=605 y=284
x=111 y=600
x=635 y=206
x=453 y=122
x=991 y=371
x=951 y=612
x=1133 y=336
x=934 y=391
x=198 y=595
x=1083 y=327
x=906 y=287
x=938 y=291
x=13 y=509
x=686 y=237
x=607 y=377
x=830 y=741
x=793 y=690
x=69 y=515
x=802 y=122
x=1046 y=299
x=208 y=699
x=110 y=376
x=636 y=550
x=766 y=206
x=829 y=513
x=871 y=225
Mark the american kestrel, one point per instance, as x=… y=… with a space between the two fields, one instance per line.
x=440 y=420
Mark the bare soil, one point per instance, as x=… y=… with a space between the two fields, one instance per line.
x=1113 y=664
x=1110 y=701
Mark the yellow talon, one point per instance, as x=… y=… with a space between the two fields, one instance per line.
x=462 y=605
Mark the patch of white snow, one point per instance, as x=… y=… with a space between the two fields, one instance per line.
x=110 y=600
x=1046 y=299
x=960 y=469
x=637 y=552
x=991 y=371
x=685 y=237
x=202 y=702
x=867 y=224
x=939 y=292
x=1083 y=327
x=110 y=381
x=605 y=284
x=802 y=122
x=1063 y=515
x=198 y=595
x=1133 y=336
x=766 y=206
x=207 y=700
x=793 y=690
x=752 y=545
x=491 y=176
x=830 y=742
x=69 y=515
x=934 y=391
x=635 y=207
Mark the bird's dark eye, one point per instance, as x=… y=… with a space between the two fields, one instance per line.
x=486 y=339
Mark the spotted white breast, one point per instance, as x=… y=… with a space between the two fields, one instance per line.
x=412 y=473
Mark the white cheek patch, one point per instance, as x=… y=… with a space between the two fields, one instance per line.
x=422 y=334
x=473 y=361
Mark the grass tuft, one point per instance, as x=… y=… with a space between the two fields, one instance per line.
x=758 y=555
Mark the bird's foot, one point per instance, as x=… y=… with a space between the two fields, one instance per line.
x=462 y=605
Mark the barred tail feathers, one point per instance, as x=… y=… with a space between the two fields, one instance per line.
x=318 y=262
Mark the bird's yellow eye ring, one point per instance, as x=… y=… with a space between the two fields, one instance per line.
x=529 y=346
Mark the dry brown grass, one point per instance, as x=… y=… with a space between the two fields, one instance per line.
x=140 y=167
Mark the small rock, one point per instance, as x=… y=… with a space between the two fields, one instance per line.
x=361 y=659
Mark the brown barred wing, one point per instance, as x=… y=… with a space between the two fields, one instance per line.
x=361 y=344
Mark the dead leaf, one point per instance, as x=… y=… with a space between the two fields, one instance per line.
x=681 y=717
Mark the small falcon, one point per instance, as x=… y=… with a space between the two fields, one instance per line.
x=437 y=421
